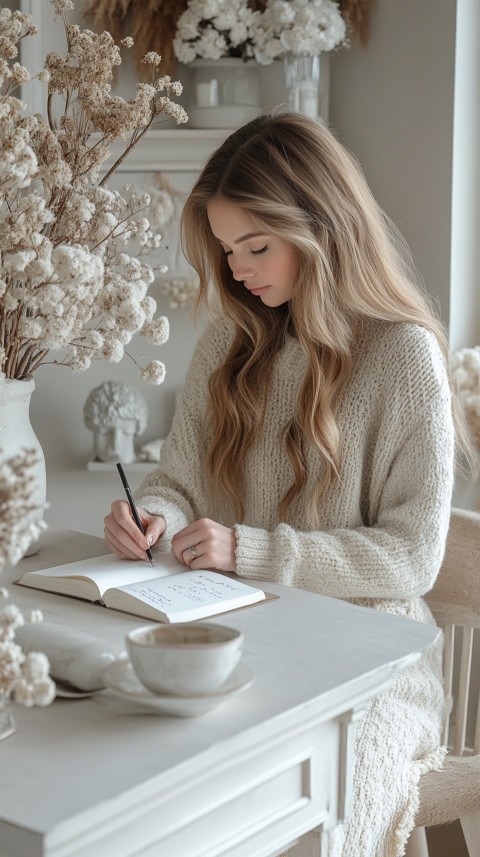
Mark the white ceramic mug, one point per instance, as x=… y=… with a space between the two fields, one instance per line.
x=186 y=659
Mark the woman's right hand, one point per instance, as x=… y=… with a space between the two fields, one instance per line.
x=123 y=536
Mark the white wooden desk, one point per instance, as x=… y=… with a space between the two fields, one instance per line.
x=89 y=779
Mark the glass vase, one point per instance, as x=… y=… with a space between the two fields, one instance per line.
x=302 y=78
x=226 y=93
x=7 y=723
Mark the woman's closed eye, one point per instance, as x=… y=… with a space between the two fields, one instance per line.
x=253 y=252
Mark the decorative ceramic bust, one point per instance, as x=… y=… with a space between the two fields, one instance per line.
x=116 y=414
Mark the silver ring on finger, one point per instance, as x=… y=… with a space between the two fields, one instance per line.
x=193 y=551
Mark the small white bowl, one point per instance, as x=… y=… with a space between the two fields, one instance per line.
x=186 y=659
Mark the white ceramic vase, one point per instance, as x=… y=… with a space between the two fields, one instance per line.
x=7 y=722
x=16 y=434
x=226 y=93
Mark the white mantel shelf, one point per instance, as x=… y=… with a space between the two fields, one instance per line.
x=179 y=149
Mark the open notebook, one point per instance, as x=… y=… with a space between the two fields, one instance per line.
x=166 y=593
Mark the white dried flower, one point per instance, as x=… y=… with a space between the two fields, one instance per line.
x=152 y=58
x=16 y=533
x=160 y=207
x=23 y=677
x=157 y=331
x=154 y=373
x=180 y=292
x=113 y=349
x=465 y=371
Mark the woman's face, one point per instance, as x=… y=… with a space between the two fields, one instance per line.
x=263 y=262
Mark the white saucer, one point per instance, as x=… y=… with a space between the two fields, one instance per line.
x=65 y=692
x=120 y=677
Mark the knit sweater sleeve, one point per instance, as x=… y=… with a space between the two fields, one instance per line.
x=397 y=553
x=176 y=489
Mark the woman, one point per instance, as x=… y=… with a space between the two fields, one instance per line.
x=314 y=443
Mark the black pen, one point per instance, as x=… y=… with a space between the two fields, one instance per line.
x=134 y=509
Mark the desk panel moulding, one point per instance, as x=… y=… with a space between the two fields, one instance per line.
x=282 y=784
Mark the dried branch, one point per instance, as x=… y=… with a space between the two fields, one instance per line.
x=107 y=15
x=154 y=23
x=357 y=15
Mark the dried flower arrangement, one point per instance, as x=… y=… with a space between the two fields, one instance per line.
x=151 y=23
x=465 y=369
x=181 y=289
x=67 y=281
x=357 y=15
x=23 y=678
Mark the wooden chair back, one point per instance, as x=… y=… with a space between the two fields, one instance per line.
x=455 y=603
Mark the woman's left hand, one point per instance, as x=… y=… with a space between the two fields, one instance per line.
x=206 y=544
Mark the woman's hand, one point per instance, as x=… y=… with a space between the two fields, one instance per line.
x=206 y=544
x=123 y=536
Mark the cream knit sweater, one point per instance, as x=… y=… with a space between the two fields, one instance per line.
x=380 y=541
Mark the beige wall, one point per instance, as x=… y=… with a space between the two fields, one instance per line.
x=409 y=108
x=392 y=105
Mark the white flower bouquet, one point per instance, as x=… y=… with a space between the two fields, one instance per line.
x=68 y=282
x=211 y=29
x=300 y=27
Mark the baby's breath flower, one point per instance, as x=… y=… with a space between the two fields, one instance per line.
x=465 y=371
x=180 y=292
x=62 y=6
x=20 y=74
x=113 y=350
x=154 y=373
x=152 y=58
x=81 y=362
x=25 y=678
x=149 y=306
x=157 y=332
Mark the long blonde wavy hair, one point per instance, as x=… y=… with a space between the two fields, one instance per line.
x=295 y=180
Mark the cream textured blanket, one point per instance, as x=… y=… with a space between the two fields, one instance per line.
x=380 y=542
